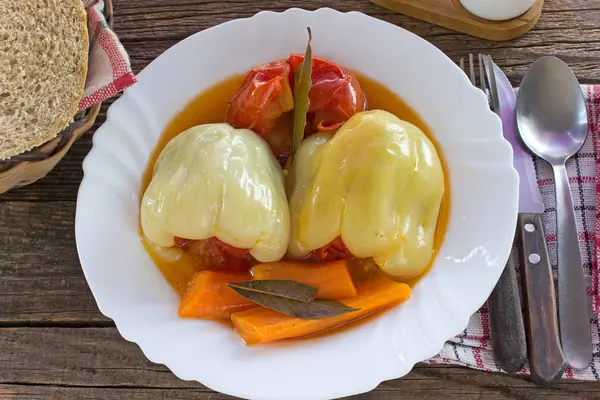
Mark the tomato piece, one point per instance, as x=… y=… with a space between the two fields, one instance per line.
x=214 y=255
x=323 y=126
x=229 y=248
x=182 y=243
x=266 y=94
x=206 y=255
x=279 y=138
x=336 y=250
x=335 y=94
x=263 y=97
x=237 y=262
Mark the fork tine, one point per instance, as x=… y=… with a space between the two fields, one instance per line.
x=487 y=77
x=472 y=69
x=482 y=73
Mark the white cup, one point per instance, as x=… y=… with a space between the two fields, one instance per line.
x=497 y=10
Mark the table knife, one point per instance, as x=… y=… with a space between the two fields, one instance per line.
x=506 y=316
x=546 y=357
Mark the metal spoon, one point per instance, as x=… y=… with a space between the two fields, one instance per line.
x=552 y=122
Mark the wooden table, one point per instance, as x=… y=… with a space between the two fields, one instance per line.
x=54 y=343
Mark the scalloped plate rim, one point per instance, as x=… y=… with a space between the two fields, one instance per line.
x=130 y=333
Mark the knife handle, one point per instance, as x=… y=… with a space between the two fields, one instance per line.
x=546 y=357
x=506 y=322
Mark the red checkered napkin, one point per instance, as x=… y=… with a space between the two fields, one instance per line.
x=109 y=69
x=472 y=348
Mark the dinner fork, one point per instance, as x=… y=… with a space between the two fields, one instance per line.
x=504 y=304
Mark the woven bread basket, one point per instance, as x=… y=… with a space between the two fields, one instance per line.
x=26 y=168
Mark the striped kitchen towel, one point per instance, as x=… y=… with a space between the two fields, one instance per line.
x=472 y=348
x=109 y=69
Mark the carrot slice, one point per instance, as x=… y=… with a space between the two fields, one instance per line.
x=332 y=279
x=208 y=296
x=262 y=325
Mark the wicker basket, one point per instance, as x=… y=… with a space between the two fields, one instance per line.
x=26 y=168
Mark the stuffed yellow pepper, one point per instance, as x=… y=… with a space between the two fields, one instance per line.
x=377 y=185
x=214 y=181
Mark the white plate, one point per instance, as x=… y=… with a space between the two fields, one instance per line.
x=130 y=290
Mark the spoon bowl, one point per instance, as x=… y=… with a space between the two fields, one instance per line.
x=552 y=123
x=551 y=111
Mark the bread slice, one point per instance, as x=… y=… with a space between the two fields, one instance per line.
x=43 y=66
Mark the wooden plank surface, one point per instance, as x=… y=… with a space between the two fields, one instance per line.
x=98 y=358
x=55 y=344
x=41 y=282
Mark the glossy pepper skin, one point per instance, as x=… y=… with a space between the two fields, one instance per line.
x=377 y=184
x=266 y=94
x=215 y=181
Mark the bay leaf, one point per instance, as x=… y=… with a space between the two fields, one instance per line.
x=290 y=299
x=302 y=85
x=325 y=308
x=277 y=287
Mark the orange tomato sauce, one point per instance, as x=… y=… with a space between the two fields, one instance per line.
x=210 y=107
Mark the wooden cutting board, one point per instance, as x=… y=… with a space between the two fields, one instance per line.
x=452 y=15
